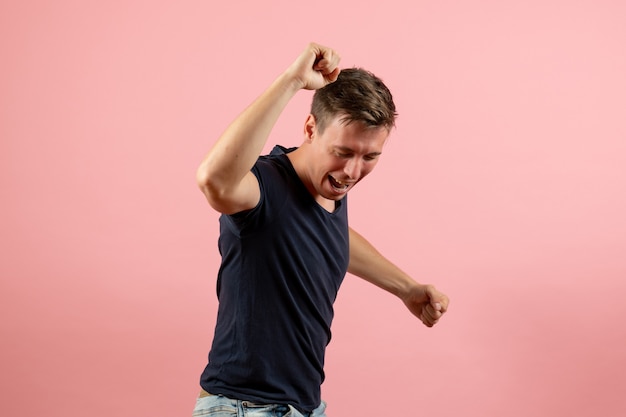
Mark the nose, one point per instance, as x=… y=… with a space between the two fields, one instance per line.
x=353 y=168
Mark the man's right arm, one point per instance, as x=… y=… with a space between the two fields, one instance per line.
x=224 y=175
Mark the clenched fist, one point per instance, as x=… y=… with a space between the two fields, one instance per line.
x=316 y=67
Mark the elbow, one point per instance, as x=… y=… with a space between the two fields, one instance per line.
x=215 y=187
x=207 y=181
x=211 y=189
x=225 y=193
x=202 y=177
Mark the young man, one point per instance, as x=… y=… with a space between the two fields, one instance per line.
x=285 y=240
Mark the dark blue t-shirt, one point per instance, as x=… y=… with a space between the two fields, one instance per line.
x=282 y=265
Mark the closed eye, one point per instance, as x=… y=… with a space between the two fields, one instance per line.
x=347 y=154
x=343 y=155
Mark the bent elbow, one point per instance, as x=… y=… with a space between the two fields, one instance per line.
x=202 y=178
x=208 y=182
x=227 y=194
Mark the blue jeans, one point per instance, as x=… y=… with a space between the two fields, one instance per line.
x=220 y=406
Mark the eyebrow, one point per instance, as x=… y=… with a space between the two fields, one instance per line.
x=348 y=150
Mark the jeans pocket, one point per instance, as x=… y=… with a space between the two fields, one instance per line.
x=215 y=406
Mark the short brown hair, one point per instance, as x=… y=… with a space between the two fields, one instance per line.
x=357 y=95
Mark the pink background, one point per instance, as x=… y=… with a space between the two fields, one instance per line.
x=503 y=184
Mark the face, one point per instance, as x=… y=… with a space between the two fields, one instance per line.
x=341 y=156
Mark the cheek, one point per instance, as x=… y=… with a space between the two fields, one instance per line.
x=334 y=164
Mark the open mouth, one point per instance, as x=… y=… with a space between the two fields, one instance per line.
x=338 y=185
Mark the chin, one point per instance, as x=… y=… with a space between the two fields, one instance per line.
x=335 y=197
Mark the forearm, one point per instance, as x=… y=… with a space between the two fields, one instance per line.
x=238 y=148
x=367 y=263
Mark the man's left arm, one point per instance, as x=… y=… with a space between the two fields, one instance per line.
x=424 y=301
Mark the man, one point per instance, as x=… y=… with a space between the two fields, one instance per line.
x=285 y=240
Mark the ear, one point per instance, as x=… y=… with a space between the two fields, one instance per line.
x=309 y=128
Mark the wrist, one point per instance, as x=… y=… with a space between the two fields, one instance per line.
x=408 y=289
x=291 y=81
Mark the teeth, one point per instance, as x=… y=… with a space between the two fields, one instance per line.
x=336 y=183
